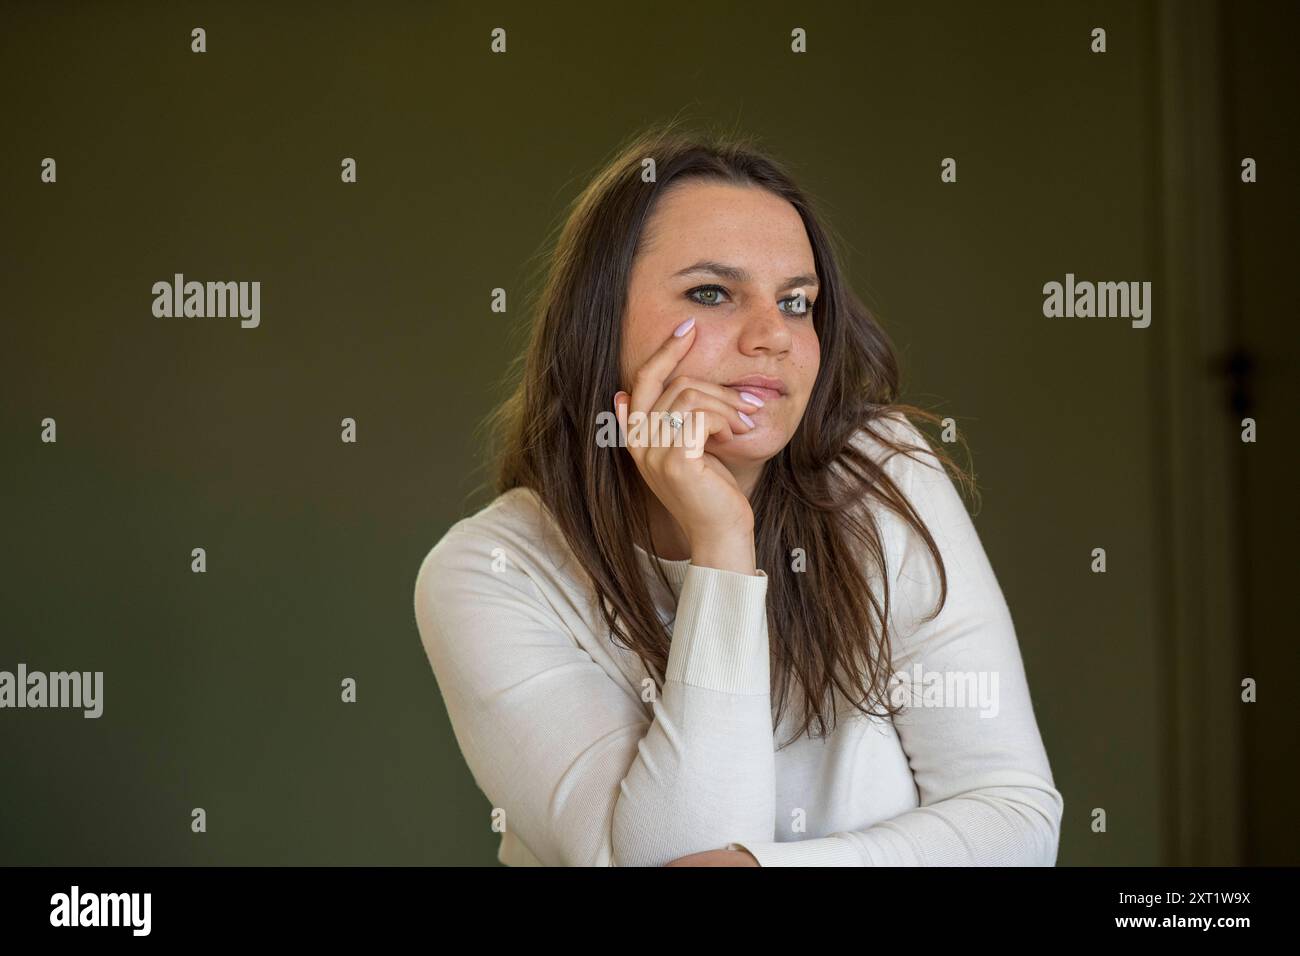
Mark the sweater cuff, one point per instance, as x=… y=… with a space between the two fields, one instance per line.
x=824 y=851
x=720 y=632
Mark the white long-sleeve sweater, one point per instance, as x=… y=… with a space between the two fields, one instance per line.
x=563 y=733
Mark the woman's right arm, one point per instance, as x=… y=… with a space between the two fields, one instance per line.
x=566 y=749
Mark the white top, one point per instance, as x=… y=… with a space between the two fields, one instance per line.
x=582 y=766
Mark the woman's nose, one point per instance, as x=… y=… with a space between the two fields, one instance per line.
x=765 y=329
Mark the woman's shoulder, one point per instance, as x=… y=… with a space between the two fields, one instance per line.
x=898 y=446
x=920 y=480
x=511 y=521
x=511 y=533
x=513 y=512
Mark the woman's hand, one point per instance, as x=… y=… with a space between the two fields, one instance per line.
x=698 y=490
x=716 y=858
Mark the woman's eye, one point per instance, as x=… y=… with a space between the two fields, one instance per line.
x=707 y=290
x=712 y=295
x=795 y=309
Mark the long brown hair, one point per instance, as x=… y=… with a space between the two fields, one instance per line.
x=828 y=628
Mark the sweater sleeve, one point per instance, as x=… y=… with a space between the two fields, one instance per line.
x=583 y=776
x=985 y=788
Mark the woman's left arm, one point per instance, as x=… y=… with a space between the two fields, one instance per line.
x=986 y=793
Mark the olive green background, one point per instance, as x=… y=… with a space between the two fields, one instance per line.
x=222 y=689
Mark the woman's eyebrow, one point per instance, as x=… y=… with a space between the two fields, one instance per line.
x=737 y=274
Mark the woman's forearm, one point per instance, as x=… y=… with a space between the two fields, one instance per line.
x=731 y=551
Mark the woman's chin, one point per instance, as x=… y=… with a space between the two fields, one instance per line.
x=758 y=445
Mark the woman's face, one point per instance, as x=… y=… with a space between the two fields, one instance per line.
x=733 y=257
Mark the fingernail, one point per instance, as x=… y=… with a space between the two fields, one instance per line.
x=746 y=419
x=751 y=399
x=684 y=327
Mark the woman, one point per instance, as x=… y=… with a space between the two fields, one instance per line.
x=750 y=629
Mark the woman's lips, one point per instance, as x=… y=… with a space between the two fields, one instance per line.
x=765 y=394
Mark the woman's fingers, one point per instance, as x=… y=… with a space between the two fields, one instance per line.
x=733 y=396
x=702 y=417
x=687 y=399
x=620 y=412
x=705 y=425
x=632 y=433
x=707 y=409
x=648 y=381
x=698 y=426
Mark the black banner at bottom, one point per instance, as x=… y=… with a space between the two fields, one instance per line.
x=94 y=905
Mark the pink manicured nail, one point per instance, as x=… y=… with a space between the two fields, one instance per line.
x=684 y=327
x=746 y=419
x=751 y=399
